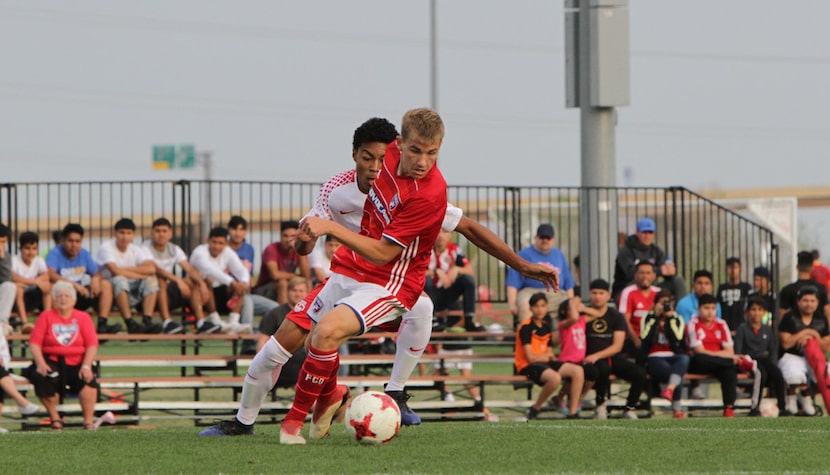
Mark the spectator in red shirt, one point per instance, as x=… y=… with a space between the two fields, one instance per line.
x=64 y=345
x=820 y=273
x=280 y=263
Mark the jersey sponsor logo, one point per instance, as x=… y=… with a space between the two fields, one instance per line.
x=396 y=200
x=599 y=326
x=373 y=197
x=317 y=305
x=65 y=333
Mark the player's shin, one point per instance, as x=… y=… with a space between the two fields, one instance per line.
x=261 y=377
x=314 y=376
x=413 y=338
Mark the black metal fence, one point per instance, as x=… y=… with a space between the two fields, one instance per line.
x=696 y=232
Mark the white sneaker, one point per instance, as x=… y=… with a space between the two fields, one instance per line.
x=630 y=415
x=239 y=328
x=806 y=404
x=601 y=412
x=449 y=398
x=28 y=409
x=697 y=393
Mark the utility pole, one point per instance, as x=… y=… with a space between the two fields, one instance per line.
x=206 y=160
x=597 y=80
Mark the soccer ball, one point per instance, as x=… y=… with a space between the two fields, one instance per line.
x=768 y=408
x=373 y=418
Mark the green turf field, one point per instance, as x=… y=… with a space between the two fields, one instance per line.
x=702 y=445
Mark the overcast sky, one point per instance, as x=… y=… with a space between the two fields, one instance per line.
x=725 y=94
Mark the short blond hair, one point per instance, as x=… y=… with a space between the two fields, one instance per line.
x=422 y=122
x=295 y=281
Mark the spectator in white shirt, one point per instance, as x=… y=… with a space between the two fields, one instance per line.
x=34 y=291
x=320 y=259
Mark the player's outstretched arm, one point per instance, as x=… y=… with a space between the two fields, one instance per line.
x=376 y=251
x=488 y=242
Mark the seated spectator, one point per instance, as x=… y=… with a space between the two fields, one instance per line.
x=664 y=343
x=535 y=359
x=8 y=289
x=211 y=260
x=132 y=273
x=280 y=263
x=34 y=291
x=72 y=263
x=520 y=288
x=798 y=326
x=237 y=232
x=640 y=247
x=449 y=276
x=789 y=293
x=702 y=284
x=757 y=341
x=64 y=345
x=175 y=290
x=732 y=295
x=761 y=289
x=320 y=259
x=7 y=386
x=570 y=337
x=820 y=272
x=605 y=336
x=712 y=348
x=635 y=302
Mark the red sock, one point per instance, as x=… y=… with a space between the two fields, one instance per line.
x=331 y=383
x=313 y=379
x=818 y=362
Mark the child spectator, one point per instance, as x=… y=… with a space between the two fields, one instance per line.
x=664 y=342
x=756 y=340
x=713 y=352
x=534 y=357
x=32 y=278
x=572 y=348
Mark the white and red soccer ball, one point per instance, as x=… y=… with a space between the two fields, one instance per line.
x=373 y=418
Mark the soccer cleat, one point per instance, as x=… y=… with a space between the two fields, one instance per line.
x=240 y=328
x=601 y=412
x=207 y=328
x=227 y=428
x=667 y=394
x=408 y=416
x=533 y=413
x=290 y=433
x=728 y=412
x=678 y=415
x=171 y=328
x=28 y=409
x=324 y=412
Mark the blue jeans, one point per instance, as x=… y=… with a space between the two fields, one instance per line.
x=661 y=368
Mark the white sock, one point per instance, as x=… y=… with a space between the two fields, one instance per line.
x=262 y=374
x=413 y=338
x=233 y=318
x=214 y=318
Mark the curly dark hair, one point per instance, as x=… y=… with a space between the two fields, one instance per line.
x=375 y=129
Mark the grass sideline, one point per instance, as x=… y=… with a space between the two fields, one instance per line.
x=707 y=445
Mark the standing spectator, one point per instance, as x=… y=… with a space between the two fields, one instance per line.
x=34 y=291
x=797 y=327
x=212 y=260
x=320 y=260
x=635 y=302
x=520 y=288
x=450 y=275
x=820 y=273
x=174 y=290
x=605 y=337
x=761 y=289
x=713 y=350
x=664 y=343
x=757 y=340
x=535 y=359
x=280 y=263
x=64 y=345
x=702 y=285
x=640 y=247
x=732 y=295
x=789 y=293
x=132 y=273
x=69 y=261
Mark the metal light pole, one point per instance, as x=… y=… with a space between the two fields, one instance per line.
x=206 y=160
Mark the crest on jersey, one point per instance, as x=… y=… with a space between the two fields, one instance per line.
x=65 y=333
x=300 y=306
x=396 y=200
x=317 y=305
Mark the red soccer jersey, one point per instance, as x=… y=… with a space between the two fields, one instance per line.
x=714 y=337
x=638 y=304
x=67 y=337
x=407 y=212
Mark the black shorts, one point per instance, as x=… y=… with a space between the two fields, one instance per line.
x=221 y=297
x=174 y=295
x=84 y=303
x=33 y=299
x=59 y=381
x=534 y=371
